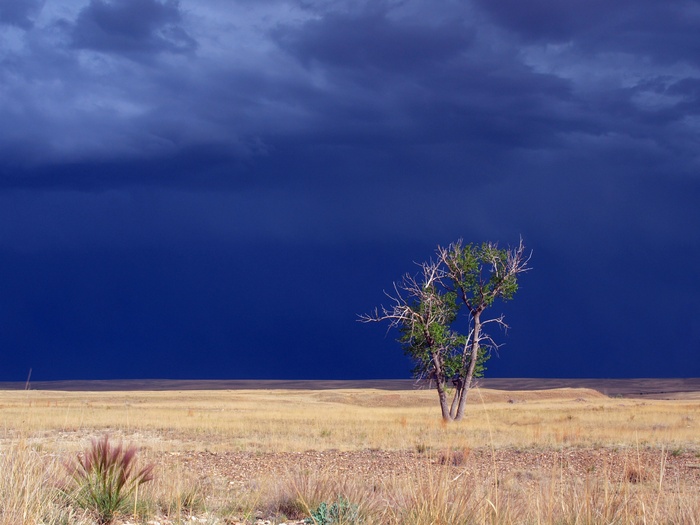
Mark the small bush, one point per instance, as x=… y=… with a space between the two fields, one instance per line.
x=454 y=457
x=104 y=478
x=338 y=513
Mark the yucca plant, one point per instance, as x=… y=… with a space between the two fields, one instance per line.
x=104 y=477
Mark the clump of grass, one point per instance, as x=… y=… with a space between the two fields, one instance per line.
x=635 y=474
x=182 y=493
x=24 y=476
x=322 y=496
x=104 y=478
x=436 y=497
x=422 y=448
x=454 y=457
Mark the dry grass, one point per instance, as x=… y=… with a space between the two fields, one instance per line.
x=296 y=420
x=447 y=496
x=21 y=485
x=41 y=428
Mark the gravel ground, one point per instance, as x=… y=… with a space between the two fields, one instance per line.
x=240 y=467
x=525 y=468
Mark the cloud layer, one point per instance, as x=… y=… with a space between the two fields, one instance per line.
x=321 y=127
x=149 y=79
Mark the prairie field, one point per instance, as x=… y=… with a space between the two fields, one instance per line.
x=380 y=455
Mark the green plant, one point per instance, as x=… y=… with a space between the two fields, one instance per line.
x=104 y=478
x=447 y=345
x=339 y=512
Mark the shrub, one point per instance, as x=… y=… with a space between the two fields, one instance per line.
x=104 y=478
x=338 y=513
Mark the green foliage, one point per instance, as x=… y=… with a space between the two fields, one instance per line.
x=432 y=332
x=465 y=282
x=340 y=512
x=484 y=355
x=453 y=356
x=468 y=266
x=439 y=314
x=104 y=478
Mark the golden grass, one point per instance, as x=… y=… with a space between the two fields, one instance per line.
x=439 y=497
x=41 y=428
x=297 y=420
x=21 y=482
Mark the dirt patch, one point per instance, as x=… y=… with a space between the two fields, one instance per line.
x=376 y=466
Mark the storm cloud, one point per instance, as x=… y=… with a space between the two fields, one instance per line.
x=316 y=149
x=131 y=26
x=20 y=13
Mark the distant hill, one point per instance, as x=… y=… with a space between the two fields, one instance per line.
x=648 y=387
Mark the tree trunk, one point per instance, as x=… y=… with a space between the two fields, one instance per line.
x=472 y=365
x=440 y=383
x=458 y=394
x=443 y=401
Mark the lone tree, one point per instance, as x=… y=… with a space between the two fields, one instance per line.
x=451 y=292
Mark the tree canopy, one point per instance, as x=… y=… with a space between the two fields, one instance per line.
x=438 y=313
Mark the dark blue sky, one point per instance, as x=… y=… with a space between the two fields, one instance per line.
x=216 y=188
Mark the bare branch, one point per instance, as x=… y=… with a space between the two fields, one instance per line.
x=413 y=290
x=500 y=320
x=425 y=307
x=517 y=260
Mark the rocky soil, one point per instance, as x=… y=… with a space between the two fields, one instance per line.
x=240 y=470
x=376 y=465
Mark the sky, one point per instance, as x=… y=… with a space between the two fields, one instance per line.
x=217 y=188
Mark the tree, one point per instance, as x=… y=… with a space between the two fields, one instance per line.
x=452 y=292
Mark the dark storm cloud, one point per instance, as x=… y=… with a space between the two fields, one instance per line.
x=665 y=31
x=418 y=80
x=166 y=169
x=424 y=87
x=370 y=39
x=20 y=13
x=369 y=98
x=552 y=21
x=132 y=26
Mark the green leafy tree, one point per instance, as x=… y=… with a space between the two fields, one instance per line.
x=439 y=314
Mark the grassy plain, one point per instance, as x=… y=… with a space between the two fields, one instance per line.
x=567 y=455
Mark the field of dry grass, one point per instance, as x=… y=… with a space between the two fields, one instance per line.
x=561 y=455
